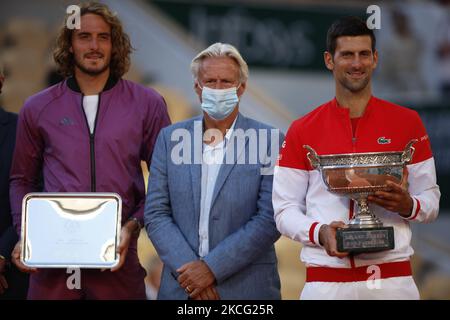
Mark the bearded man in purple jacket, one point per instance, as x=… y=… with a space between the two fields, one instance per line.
x=89 y=133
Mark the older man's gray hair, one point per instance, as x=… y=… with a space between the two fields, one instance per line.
x=220 y=50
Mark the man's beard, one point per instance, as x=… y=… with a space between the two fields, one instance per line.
x=91 y=72
x=355 y=86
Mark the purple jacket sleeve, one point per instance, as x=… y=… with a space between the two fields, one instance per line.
x=26 y=164
x=156 y=119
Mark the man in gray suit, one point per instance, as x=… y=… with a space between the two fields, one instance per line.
x=208 y=211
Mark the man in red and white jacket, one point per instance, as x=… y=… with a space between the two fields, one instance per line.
x=353 y=122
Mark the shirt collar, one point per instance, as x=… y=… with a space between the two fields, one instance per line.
x=223 y=143
x=229 y=131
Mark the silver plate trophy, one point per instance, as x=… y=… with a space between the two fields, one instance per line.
x=358 y=175
x=71 y=230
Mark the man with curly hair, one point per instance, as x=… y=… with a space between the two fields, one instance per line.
x=89 y=133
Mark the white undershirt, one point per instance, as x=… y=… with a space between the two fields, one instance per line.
x=90 y=105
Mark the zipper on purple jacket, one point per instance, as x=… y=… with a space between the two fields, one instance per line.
x=92 y=141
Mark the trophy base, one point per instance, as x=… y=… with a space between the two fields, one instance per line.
x=359 y=240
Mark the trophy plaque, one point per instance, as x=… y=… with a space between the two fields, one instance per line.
x=70 y=230
x=358 y=175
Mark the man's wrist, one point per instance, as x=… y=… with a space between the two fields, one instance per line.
x=410 y=210
x=134 y=226
x=322 y=231
x=213 y=276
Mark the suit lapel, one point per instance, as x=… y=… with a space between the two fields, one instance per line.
x=225 y=169
x=196 y=130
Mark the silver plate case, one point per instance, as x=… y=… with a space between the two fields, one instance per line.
x=71 y=230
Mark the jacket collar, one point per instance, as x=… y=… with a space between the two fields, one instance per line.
x=73 y=84
x=346 y=112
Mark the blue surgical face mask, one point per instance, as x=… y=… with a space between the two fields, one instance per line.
x=219 y=103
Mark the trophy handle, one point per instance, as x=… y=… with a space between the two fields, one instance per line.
x=408 y=152
x=312 y=157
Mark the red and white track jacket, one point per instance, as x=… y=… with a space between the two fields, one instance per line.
x=301 y=200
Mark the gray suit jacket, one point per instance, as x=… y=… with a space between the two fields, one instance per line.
x=242 y=230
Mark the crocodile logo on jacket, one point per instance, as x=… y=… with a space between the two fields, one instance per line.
x=383 y=140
